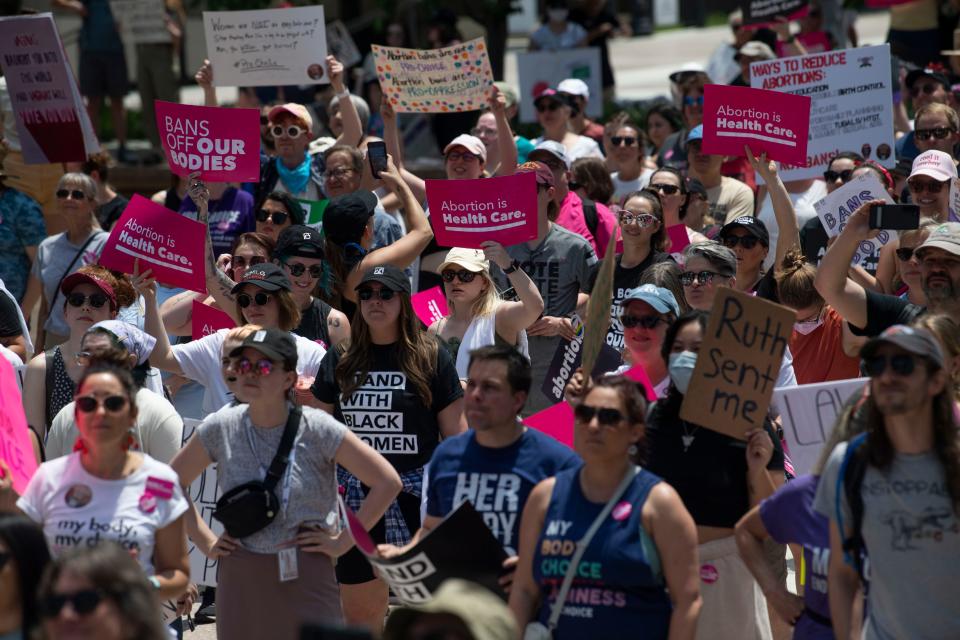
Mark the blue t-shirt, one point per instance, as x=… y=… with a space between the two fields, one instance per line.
x=618 y=590
x=99 y=31
x=21 y=226
x=228 y=217
x=496 y=481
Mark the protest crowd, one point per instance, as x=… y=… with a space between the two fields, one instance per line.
x=683 y=369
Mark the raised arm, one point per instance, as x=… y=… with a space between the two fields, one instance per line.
x=204 y=78
x=352 y=132
x=514 y=317
x=786 y=217
x=218 y=282
x=162 y=355
x=505 y=144
x=176 y=312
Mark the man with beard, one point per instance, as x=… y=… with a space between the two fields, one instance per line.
x=869 y=312
x=892 y=493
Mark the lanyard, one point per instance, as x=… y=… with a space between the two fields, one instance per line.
x=285 y=490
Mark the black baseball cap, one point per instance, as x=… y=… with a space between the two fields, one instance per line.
x=299 y=240
x=346 y=216
x=928 y=72
x=755 y=227
x=389 y=276
x=276 y=344
x=266 y=276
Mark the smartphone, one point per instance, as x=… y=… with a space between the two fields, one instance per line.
x=377 y=154
x=894 y=216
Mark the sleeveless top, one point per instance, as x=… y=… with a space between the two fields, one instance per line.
x=60 y=394
x=619 y=591
x=481 y=332
x=313 y=323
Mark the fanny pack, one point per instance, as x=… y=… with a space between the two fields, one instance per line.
x=253 y=505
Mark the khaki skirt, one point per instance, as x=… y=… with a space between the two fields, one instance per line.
x=733 y=604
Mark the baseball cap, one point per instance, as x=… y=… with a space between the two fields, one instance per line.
x=552 y=151
x=470 y=259
x=298 y=111
x=755 y=49
x=934 y=164
x=919 y=342
x=944 y=236
x=133 y=339
x=686 y=71
x=78 y=278
x=574 y=87
x=276 y=344
x=551 y=93
x=471 y=143
x=927 y=72
x=508 y=92
x=484 y=614
x=299 y=240
x=695 y=134
x=659 y=298
x=754 y=227
x=387 y=275
x=266 y=276
x=347 y=216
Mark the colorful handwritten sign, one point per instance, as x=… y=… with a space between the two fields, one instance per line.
x=166 y=242
x=465 y=213
x=16 y=449
x=205 y=320
x=456 y=78
x=430 y=305
x=51 y=119
x=144 y=20
x=269 y=47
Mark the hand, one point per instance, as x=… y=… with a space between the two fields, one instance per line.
x=391 y=176
x=386 y=110
x=759 y=449
x=788 y=606
x=766 y=169
x=576 y=386
x=552 y=326
x=144 y=282
x=495 y=253
x=319 y=541
x=335 y=71
x=223 y=262
x=185 y=602
x=497 y=101
x=222 y=547
x=509 y=568
x=303 y=396
x=199 y=193
x=80 y=9
x=204 y=75
x=174 y=30
x=781 y=26
x=174 y=383
x=387 y=551
x=8 y=495
x=858 y=224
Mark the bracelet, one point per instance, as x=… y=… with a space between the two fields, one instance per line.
x=343 y=94
x=513 y=267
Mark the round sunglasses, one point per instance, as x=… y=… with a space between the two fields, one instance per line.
x=89 y=404
x=642 y=220
x=96 y=300
x=702 y=278
x=297 y=269
x=259 y=368
x=747 y=242
x=260 y=299
x=76 y=194
x=465 y=276
x=293 y=131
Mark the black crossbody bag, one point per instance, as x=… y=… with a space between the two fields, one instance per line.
x=253 y=505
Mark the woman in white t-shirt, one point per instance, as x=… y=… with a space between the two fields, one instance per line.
x=553 y=114
x=628 y=144
x=106 y=491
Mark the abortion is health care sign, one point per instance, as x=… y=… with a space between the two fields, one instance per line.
x=465 y=213
x=222 y=144
x=766 y=120
x=166 y=242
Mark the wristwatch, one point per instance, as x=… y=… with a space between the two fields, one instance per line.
x=513 y=267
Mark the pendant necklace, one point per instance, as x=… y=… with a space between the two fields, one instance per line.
x=687 y=436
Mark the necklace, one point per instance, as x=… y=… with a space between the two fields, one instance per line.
x=687 y=436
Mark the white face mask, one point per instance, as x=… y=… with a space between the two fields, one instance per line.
x=681 y=369
x=808 y=326
x=557 y=15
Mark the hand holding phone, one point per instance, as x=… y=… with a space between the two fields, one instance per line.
x=894 y=216
x=377 y=154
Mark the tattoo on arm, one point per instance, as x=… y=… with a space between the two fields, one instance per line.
x=224 y=283
x=333 y=322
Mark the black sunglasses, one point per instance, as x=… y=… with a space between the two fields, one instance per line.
x=367 y=294
x=904 y=253
x=833 y=176
x=279 y=217
x=83 y=602
x=97 y=300
x=239 y=262
x=465 y=276
x=548 y=106
x=918 y=186
x=260 y=299
x=902 y=364
x=647 y=322
x=296 y=269
x=627 y=141
x=747 y=242
x=606 y=417
x=76 y=194
x=939 y=133
x=927 y=88
x=89 y=404
x=668 y=189
x=702 y=277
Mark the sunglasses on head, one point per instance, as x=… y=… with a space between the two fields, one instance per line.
x=702 y=278
x=905 y=253
x=96 y=300
x=901 y=364
x=465 y=276
x=747 y=242
x=623 y=141
x=83 y=602
x=466 y=156
x=832 y=176
x=642 y=220
x=239 y=262
x=262 y=367
x=260 y=299
x=927 y=88
x=297 y=269
x=292 y=131
x=89 y=404
x=940 y=133
x=689 y=101
x=606 y=417
x=919 y=186
x=278 y=217
x=666 y=189
x=645 y=322
x=75 y=194
x=367 y=294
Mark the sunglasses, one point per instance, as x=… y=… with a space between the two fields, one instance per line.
x=645 y=322
x=642 y=220
x=466 y=156
x=239 y=262
x=606 y=417
x=918 y=186
x=904 y=253
x=96 y=300
x=689 y=102
x=927 y=88
x=367 y=294
x=278 y=217
x=747 y=242
x=465 y=276
x=293 y=131
x=83 y=602
x=297 y=269
x=264 y=121
x=902 y=364
x=548 y=106
x=623 y=141
x=89 y=404
x=833 y=176
x=702 y=278
x=260 y=368
x=244 y=299
x=939 y=133
x=76 y=194
x=666 y=189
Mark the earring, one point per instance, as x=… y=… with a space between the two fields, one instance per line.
x=632 y=450
x=130 y=442
x=80 y=445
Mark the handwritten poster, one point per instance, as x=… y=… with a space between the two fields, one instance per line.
x=268 y=47
x=539 y=70
x=144 y=21
x=456 y=78
x=466 y=213
x=51 y=119
x=204 y=493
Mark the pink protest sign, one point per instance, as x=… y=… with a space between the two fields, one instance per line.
x=222 y=144
x=16 y=449
x=465 y=213
x=770 y=121
x=166 y=242
x=679 y=238
x=206 y=320
x=555 y=421
x=360 y=536
x=430 y=305
x=638 y=374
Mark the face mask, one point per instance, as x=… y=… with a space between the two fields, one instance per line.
x=681 y=369
x=557 y=15
x=808 y=327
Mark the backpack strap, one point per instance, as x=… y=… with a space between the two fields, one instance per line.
x=849 y=479
x=590 y=216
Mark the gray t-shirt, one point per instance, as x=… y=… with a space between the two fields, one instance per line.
x=913 y=539
x=54 y=255
x=243 y=453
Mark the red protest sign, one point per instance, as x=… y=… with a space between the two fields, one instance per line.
x=465 y=213
x=166 y=242
x=205 y=320
x=16 y=449
x=770 y=121
x=222 y=144
x=430 y=305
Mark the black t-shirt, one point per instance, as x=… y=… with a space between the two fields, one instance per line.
x=109 y=212
x=10 y=326
x=385 y=411
x=884 y=311
x=623 y=280
x=766 y=287
x=313 y=323
x=711 y=475
x=813 y=240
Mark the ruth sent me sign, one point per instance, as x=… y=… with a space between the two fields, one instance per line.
x=770 y=121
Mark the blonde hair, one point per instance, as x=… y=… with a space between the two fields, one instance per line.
x=486 y=303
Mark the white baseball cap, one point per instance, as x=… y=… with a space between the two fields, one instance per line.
x=934 y=164
x=472 y=144
x=574 y=87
